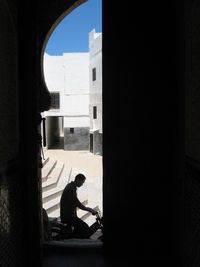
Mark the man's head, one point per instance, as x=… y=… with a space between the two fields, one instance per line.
x=79 y=179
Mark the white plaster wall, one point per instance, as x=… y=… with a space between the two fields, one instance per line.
x=69 y=75
x=95 y=60
x=54 y=73
x=76 y=73
x=73 y=122
x=95 y=45
x=75 y=104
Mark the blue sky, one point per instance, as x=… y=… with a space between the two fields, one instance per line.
x=71 y=34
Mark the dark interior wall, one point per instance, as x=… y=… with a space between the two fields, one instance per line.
x=18 y=138
x=192 y=181
x=193 y=80
x=12 y=252
x=139 y=178
x=28 y=118
x=9 y=125
x=140 y=170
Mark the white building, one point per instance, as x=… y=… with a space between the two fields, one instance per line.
x=74 y=121
x=95 y=62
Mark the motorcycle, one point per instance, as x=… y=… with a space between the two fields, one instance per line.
x=60 y=231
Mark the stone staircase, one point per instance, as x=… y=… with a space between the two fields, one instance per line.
x=55 y=176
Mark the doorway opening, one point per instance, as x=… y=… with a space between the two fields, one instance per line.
x=54 y=132
x=73 y=133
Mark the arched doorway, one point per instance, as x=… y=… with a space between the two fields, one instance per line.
x=74 y=116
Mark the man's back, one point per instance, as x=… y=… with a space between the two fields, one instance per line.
x=68 y=202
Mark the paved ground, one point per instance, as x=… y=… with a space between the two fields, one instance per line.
x=88 y=164
x=83 y=160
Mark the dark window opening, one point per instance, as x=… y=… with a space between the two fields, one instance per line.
x=71 y=130
x=55 y=100
x=91 y=143
x=94 y=74
x=94 y=112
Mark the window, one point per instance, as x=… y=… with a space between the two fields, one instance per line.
x=94 y=112
x=55 y=100
x=94 y=74
x=71 y=130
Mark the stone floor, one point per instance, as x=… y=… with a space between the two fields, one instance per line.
x=85 y=259
x=74 y=260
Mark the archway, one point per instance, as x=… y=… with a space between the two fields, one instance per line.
x=74 y=105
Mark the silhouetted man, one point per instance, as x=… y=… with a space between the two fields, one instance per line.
x=68 y=209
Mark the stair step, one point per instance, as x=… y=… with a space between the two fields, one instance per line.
x=85 y=214
x=57 y=170
x=51 y=193
x=55 y=214
x=53 y=208
x=52 y=204
x=52 y=182
x=44 y=161
x=47 y=169
x=49 y=184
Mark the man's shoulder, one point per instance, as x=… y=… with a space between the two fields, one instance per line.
x=70 y=186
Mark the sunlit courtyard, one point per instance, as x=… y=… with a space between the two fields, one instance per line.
x=73 y=162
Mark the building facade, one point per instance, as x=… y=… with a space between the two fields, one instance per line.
x=95 y=66
x=74 y=121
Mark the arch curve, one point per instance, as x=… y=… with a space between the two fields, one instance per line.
x=47 y=25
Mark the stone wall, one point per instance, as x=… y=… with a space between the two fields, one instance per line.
x=8 y=86
x=79 y=140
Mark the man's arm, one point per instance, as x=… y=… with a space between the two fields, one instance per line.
x=82 y=207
